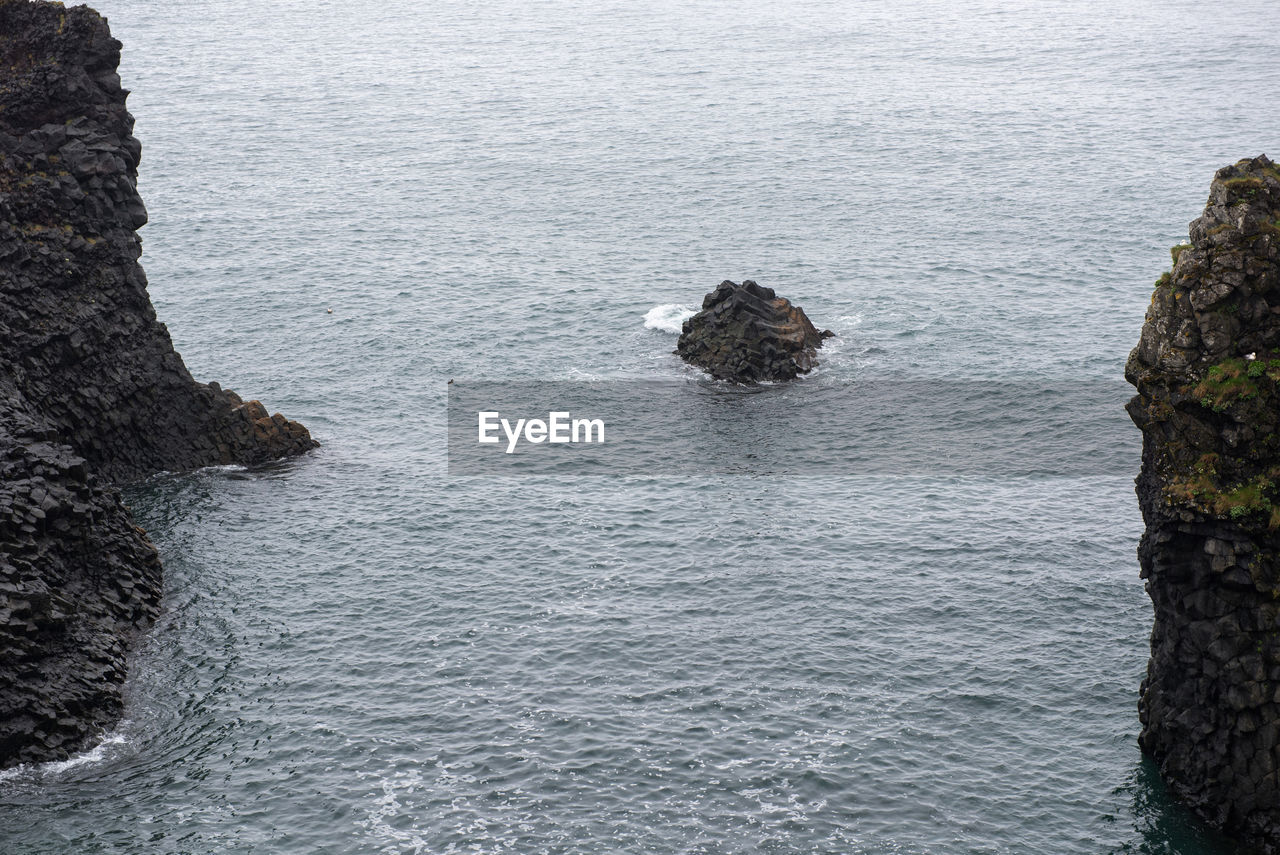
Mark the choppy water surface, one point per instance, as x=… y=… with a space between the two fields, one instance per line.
x=362 y=654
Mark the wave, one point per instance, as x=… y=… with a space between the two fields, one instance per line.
x=96 y=754
x=669 y=317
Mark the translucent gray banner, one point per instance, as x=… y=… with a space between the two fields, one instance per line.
x=917 y=427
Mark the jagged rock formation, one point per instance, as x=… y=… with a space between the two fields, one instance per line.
x=746 y=334
x=1207 y=371
x=91 y=390
x=77 y=581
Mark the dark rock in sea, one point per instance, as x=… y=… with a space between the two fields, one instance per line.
x=747 y=334
x=91 y=390
x=1207 y=371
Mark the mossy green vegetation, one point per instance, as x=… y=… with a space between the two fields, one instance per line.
x=1244 y=185
x=1239 y=481
x=1175 y=251
x=1254 y=498
x=1226 y=383
x=1200 y=484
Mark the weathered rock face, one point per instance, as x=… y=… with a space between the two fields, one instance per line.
x=91 y=390
x=747 y=334
x=77 y=329
x=1207 y=371
x=77 y=581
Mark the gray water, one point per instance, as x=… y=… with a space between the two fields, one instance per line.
x=361 y=653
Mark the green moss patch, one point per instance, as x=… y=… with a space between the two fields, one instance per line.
x=1254 y=498
x=1226 y=383
x=1244 y=184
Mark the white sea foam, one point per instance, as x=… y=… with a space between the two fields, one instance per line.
x=96 y=754
x=384 y=817
x=669 y=317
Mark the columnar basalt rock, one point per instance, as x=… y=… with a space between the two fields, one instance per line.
x=747 y=334
x=1207 y=371
x=91 y=390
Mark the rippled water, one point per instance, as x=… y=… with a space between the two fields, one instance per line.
x=361 y=654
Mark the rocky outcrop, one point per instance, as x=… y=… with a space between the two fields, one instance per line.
x=91 y=390
x=77 y=581
x=1207 y=371
x=747 y=334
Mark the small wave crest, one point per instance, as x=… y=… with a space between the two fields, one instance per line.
x=96 y=754
x=669 y=317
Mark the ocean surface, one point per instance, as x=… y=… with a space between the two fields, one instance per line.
x=364 y=652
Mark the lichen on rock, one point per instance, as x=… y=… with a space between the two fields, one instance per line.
x=1207 y=372
x=747 y=334
x=91 y=390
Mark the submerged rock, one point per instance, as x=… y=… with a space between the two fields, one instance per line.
x=746 y=334
x=91 y=390
x=1207 y=371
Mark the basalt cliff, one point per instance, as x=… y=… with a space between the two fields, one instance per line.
x=91 y=391
x=1207 y=372
x=747 y=334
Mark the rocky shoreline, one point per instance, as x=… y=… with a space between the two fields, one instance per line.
x=91 y=391
x=1207 y=371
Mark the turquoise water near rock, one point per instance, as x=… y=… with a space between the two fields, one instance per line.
x=360 y=653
